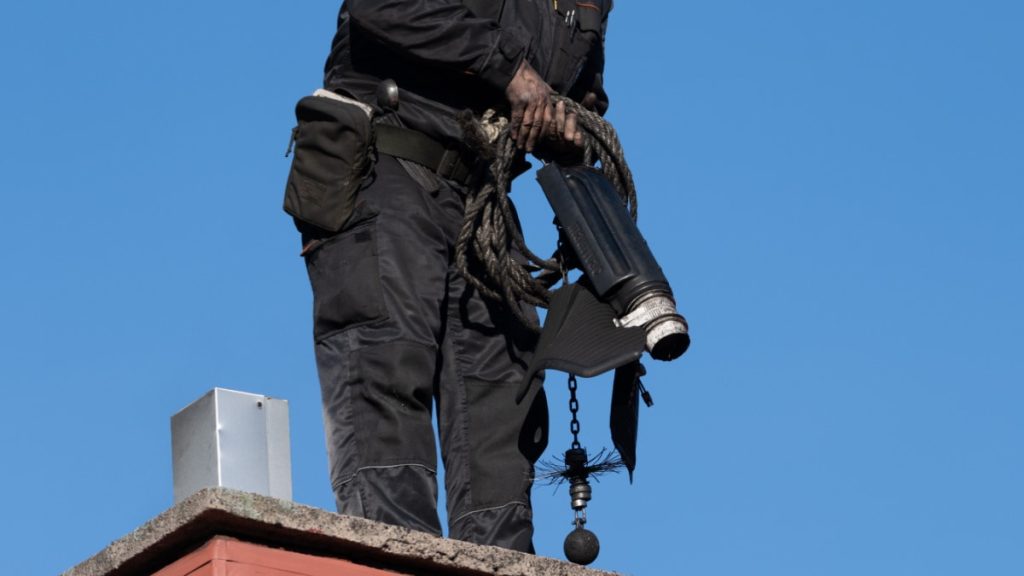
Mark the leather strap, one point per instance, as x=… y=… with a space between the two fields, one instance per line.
x=449 y=163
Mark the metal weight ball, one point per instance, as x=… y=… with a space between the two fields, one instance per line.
x=581 y=546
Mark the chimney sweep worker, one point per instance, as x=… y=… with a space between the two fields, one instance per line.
x=377 y=188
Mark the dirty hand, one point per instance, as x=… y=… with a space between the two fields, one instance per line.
x=566 y=131
x=532 y=112
x=565 y=134
x=565 y=139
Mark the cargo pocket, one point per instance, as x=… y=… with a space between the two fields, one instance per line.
x=568 y=36
x=567 y=60
x=344 y=272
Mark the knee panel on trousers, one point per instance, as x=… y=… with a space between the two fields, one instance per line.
x=401 y=495
x=504 y=444
x=382 y=404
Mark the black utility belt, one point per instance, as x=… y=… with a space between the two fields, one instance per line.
x=451 y=163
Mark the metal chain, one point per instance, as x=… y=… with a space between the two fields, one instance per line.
x=574 y=407
x=579 y=518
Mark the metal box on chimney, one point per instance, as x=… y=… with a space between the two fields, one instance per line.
x=234 y=440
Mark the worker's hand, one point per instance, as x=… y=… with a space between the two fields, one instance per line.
x=532 y=112
x=563 y=144
x=566 y=132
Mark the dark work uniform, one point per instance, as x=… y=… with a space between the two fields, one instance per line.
x=397 y=329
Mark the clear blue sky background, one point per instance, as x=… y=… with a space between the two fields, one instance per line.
x=834 y=189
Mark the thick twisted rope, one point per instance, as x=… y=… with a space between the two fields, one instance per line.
x=491 y=253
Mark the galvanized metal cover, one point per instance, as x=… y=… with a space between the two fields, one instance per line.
x=232 y=439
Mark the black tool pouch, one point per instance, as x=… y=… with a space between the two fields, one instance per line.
x=333 y=153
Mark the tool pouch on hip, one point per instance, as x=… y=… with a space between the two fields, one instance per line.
x=333 y=144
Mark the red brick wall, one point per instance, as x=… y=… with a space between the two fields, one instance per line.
x=223 y=556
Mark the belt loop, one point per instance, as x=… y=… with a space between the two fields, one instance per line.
x=449 y=161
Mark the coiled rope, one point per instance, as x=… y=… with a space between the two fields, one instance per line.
x=491 y=253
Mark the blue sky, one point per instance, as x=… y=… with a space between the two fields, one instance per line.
x=834 y=190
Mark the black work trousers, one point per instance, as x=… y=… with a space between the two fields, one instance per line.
x=399 y=331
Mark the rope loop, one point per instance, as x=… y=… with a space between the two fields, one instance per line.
x=490 y=252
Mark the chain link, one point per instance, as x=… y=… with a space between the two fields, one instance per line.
x=574 y=407
x=580 y=518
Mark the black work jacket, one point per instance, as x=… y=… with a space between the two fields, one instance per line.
x=446 y=57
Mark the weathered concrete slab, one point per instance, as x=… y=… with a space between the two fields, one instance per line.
x=264 y=520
